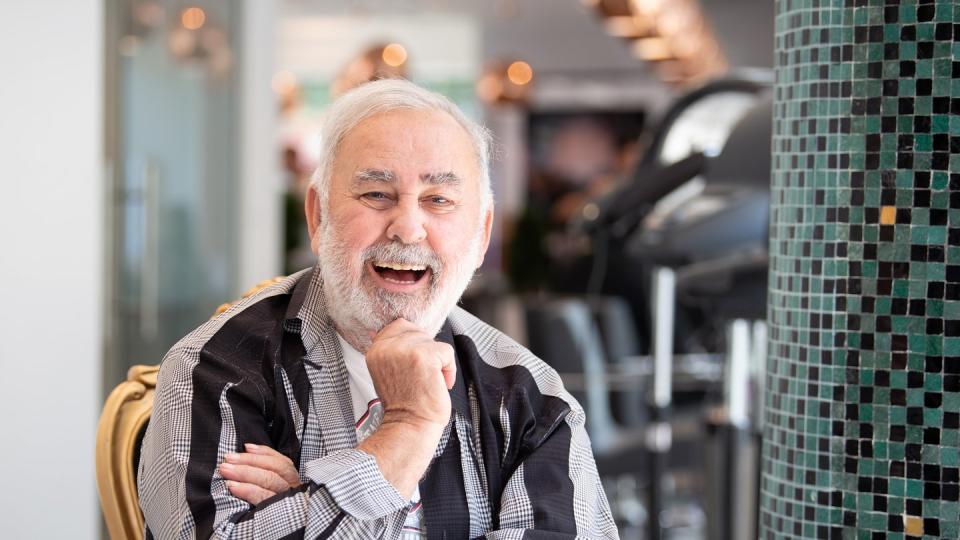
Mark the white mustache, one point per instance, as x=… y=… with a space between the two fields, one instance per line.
x=404 y=254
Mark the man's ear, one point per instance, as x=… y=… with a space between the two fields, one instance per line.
x=487 y=229
x=312 y=210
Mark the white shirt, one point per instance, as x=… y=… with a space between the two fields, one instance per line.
x=367 y=413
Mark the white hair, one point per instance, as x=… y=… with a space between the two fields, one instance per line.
x=387 y=95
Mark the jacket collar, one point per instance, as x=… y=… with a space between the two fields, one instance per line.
x=458 y=394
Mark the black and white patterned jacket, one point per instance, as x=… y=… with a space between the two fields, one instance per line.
x=515 y=460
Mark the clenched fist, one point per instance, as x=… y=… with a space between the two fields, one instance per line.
x=412 y=375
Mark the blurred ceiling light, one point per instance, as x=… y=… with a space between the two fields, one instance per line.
x=129 y=45
x=357 y=72
x=361 y=69
x=689 y=45
x=489 y=87
x=502 y=84
x=375 y=62
x=614 y=8
x=652 y=49
x=520 y=73
x=647 y=7
x=675 y=32
x=672 y=71
x=196 y=41
x=714 y=54
x=716 y=61
x=182 y=42
x=283 y=82
x=193 y=18
x=213 y=39
x=677 y=20
x=149 y=13
x=394 y=55
x=221 y=60
x=626 y=26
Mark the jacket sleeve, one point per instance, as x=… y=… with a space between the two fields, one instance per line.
x=205 y=408
x=556 y=492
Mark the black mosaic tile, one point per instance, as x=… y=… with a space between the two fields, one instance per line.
x=862 y=433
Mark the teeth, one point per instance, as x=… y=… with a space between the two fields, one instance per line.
x=400 y=266
x=398 y=281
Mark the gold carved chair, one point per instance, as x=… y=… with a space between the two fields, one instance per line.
x=119 y=433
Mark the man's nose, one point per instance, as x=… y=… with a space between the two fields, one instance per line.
x=407 y=222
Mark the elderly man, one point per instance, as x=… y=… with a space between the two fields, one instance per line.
x=355 y=400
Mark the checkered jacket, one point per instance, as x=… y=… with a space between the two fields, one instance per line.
x=513 y=462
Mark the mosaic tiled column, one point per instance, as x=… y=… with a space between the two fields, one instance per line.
x=862 y=430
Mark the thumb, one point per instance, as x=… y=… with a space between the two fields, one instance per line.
x=449 y=371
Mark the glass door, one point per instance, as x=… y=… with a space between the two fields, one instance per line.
x=172 y=145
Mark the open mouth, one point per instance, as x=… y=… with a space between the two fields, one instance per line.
x=402 y=274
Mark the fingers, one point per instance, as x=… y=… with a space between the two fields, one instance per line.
x=267 y=458
x=411 y=335
x=251 y=493
x=448 y=367
x=405 y=331
x=262 y=450
x=286 y=472
x=266 y=479
x=397 y=328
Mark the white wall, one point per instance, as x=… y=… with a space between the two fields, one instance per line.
x=51 y=263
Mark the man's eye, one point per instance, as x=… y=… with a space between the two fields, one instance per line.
x=439 y=201
x=376 y=199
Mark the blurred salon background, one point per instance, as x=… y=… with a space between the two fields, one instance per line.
x=155 y=155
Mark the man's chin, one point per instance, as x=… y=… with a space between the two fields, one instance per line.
x=429 y=318
x=356 y=311
x=420 y=318
x=383 y=307
x=357 y=327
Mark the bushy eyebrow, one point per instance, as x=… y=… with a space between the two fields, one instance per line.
x=380 y=176
x=447 y=178
x=373 y=175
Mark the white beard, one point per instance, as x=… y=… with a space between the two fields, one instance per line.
x=357 y=306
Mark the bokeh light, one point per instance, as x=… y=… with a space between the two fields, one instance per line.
x=193 y=18
x=520 y=73
x=394 y=55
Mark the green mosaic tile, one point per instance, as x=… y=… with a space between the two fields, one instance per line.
x=863 y=405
